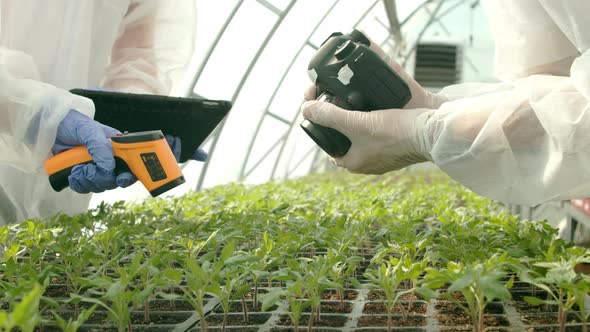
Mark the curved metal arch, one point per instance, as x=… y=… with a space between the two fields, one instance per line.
x=201 y=68
x=241 y=85
x=273 y=96
x=426 y=26
x=213 y=46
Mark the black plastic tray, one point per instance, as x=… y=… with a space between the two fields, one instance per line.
x=190 y=119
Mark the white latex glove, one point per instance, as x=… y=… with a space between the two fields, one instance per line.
x=382 y=141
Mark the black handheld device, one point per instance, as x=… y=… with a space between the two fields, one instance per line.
x=190 y=119
x=348 y=74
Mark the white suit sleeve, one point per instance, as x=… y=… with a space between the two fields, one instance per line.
x=527 y=140
x=154 y=46
x=30 y=113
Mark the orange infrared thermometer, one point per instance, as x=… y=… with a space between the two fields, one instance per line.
x=145 y=154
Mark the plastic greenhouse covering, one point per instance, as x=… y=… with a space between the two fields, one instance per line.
x=255 y=53
x=268 y=235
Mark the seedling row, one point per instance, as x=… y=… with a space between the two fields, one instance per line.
x=410 y=251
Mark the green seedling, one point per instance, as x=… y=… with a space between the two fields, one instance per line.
x=73 y=324
x=315 y=275
x=341 y=265
x=387 y=278
x=200 y=275
x=413 y=263
x=478 y=283
x=297 y=302
x=565 y=288
x=260 y=267
x=230 y=284
x=25 y=315
x=413 y=215
x=121 y=293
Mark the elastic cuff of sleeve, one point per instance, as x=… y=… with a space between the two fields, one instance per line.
x=424 y=137
x=435 y=100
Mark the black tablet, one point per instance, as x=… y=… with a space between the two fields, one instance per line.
x=190 y=119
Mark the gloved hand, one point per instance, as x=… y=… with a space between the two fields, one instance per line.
x=77 y=129
x=175 y=146
x=382 y=141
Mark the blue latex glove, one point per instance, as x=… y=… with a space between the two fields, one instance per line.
x=77 y=129
x=174 y=142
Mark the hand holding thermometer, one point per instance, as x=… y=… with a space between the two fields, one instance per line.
x=145 y=154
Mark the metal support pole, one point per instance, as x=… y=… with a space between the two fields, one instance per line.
x=430 y=20
x=241 y=85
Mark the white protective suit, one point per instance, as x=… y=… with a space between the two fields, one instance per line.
x=49 y=47
x=526 y=140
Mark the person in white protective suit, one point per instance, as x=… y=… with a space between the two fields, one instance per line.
x=50 y=47
x=525 y=140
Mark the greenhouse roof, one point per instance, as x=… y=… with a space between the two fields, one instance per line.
x=255 y=54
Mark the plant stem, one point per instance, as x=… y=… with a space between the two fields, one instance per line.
x=412 y=295
x=245 y=309
x=562 y=312
x=389 y=320
x=480 y=327
x=318 y=313
x=146 y=303
x=255 y=295
x=404 y=312
x=203 y=323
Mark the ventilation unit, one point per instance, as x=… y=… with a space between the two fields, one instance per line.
x=438 y=63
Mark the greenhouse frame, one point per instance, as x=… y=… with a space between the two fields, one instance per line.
x=268 y=235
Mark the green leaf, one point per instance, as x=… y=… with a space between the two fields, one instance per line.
x=427 y=293
x=510 y=283
x=495 y=290
x=115 y=289
x=241 y=259
x=461 y=283
x=227 y=251
x=173 y=274
x=5 y=322
x=27 y=309
x=93 y=300
x=534 y=301
x=144 y=294
x=169 y=296
x=271 y=298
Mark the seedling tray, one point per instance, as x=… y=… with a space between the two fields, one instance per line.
x=361 y=310
x=283 y=244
